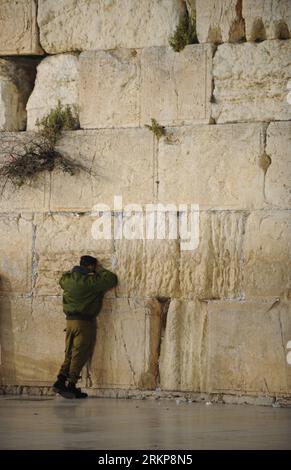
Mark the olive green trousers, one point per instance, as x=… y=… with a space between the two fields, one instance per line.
x=80 y=342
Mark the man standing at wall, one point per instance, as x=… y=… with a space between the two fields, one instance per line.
x=84 y=287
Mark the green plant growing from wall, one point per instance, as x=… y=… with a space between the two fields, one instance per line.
x=56 y=121
x=40 y=153
x=185 y=33
x=158 y=130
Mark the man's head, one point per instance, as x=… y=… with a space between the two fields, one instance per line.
x=88 y=262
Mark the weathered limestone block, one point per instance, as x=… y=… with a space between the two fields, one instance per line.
x=60 y=240
x=214 y=269
x=110 y=169
x=147 y=268
x=219 y=21
x=250 y=82
x=267 y=254
x=16 y=84
x=176 y=87
x=29 y=197
x=57 y=80
x=278 y=173
x=74 y=192
x=120 y=161
x=14 y=315
x=109 y=88
x=289 y=92
x=182 y=364
x=127 y=344
x=16 y=234
x=216 y=167
x=32 y=340
x=247 y=347
x=267 y=19
x=144 y=268
x=18 y=28
x=95 y=24
x=129 y=87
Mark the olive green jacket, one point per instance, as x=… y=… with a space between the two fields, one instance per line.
x=83 y=292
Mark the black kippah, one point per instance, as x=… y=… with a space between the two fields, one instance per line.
x=86 y=260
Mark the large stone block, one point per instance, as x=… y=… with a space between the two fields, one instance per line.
x=147 y=268
x=60 y=240
x=219 y=21
x=120 y=162
x=109 y=89
x=250 y=82
x=16 y=84
x=267 y=254
x=214 y=270
x=109 y=170
x=267 y=19
x=16 y=234
x=247 y=347
x=182 y=364
x=127 y=344
x=278 y=173
x=32 y=340
x=18 y=28
x=127 y=88
x=57 y=79
x=97 y=24
x=176 y=87
x=216 y=167
x=144 y=268
x=32 y=196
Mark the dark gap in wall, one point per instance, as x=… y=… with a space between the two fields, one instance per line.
x=28 y=63
x=21 y=71
x=214 y=35
x=282 y=30
x=258 y=31
x=165 y=304
x=238 y=30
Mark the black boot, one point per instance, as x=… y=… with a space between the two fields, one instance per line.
x=60 y=385
x=76 y=392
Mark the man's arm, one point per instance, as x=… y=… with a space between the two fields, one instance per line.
x=61 y=280
x=104 y=280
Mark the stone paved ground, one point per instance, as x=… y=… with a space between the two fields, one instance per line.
x=56 y=423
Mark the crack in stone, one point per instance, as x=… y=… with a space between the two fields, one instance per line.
x=264 y=160
x=34 y=260
x=165 y=304
x=127 y=355
x=203 y=350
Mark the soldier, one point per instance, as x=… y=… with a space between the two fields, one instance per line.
x=84 y=287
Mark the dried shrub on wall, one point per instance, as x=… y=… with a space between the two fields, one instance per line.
x=40 y=155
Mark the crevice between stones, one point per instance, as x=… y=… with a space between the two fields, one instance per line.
x=165 y=304
x=264 y=160
x=212 y=120
x=21 y=72
x=34 y=259
x=238 y=29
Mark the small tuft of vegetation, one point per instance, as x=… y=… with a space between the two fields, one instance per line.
x=185 y=33
x=158 y=130
x=40 y=154
x=59 y=119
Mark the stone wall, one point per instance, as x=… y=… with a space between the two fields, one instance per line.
x=213 y=320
